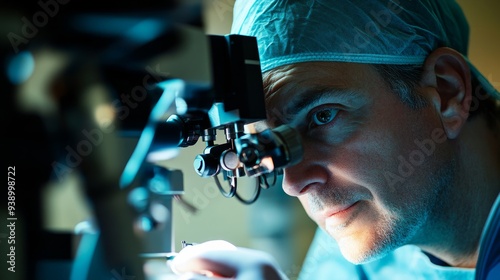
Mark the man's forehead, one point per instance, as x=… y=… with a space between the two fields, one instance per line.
x=313 y=77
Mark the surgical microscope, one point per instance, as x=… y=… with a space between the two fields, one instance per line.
x=108 y=96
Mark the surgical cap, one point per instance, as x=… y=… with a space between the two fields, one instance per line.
x=363 y=31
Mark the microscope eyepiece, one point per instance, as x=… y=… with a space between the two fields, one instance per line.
x=269 y=150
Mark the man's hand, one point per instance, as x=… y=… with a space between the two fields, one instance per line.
x=220 y=259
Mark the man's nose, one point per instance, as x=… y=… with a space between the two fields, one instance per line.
x=311 y=172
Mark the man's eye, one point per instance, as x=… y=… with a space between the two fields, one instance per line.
x=322 y=117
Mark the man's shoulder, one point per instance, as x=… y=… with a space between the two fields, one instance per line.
x=488 y=264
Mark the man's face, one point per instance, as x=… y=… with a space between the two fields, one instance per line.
x=363 y=179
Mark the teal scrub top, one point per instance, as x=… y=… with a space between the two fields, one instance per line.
x=325 y=262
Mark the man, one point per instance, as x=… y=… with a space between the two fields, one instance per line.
x=401 y=136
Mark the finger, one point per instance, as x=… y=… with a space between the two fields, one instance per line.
x=196 y=276
x=200 y=259
x=203 y=266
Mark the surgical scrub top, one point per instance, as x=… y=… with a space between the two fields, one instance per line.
x=325 y=262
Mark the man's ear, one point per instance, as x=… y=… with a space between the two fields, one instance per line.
x=446 y=77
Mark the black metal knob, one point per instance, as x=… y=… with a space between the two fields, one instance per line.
x=206 y=165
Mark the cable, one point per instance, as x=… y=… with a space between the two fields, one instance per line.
x=254 y=198
x=265 y=184
x=231 y=192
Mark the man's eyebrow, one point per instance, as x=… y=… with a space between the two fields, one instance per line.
x=312 y=96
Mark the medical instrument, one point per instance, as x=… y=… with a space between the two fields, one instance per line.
x=124 y=83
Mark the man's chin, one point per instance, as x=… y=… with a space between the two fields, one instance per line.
x=358 y=253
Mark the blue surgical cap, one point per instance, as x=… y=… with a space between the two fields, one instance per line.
x=362 y=31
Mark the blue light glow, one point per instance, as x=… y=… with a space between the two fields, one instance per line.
x=20 y=67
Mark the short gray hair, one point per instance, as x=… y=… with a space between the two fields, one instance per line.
x=403 y=80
